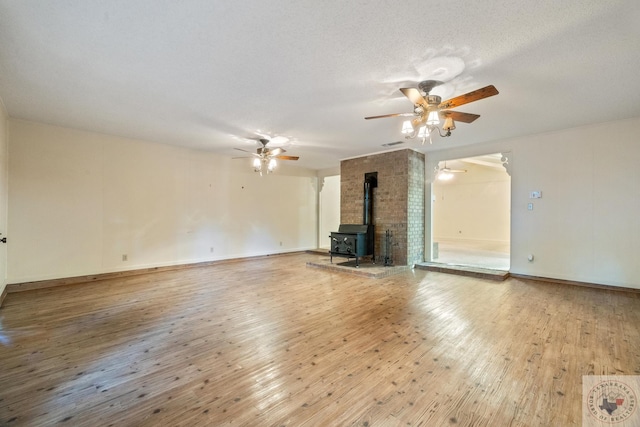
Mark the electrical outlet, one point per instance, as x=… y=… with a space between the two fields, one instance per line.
x=124 y=257
x=211 y=249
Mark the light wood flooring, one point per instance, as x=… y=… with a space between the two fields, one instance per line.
x=270 y=342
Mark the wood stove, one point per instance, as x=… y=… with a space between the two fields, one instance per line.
x=357 y=240
x=352 y=241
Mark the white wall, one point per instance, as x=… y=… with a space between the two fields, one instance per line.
x=473 y=205
x=585 y=227
x=329 y=209
x=78 y=201
x=4 y=190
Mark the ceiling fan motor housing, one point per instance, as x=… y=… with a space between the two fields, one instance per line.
x=427 y=85
x=433 y=100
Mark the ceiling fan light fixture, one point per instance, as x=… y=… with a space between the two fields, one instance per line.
x=449 y=125
x=445 y=176
x=407 y=127
x=433 y=119
x=272 y=165
x=423 y=132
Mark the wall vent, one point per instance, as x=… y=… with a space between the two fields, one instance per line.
x=391 y=144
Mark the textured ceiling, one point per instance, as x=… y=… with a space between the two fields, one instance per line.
x=209 y=74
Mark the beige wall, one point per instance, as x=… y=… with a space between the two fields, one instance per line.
x=474 y=205
x=585 y=227
x=329 y=209
x=78 y=201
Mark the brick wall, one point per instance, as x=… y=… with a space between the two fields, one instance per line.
x=398 y=201
x=415 y=210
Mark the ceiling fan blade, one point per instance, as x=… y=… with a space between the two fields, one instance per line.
x=476 y=95
x=447 y=170
x=390 y=115
x=414 y=95
x=459 y=116
x=275 y=152
x=250 y=152
x=287 y=157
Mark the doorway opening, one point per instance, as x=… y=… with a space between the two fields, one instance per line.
x=471 y=212
x=328 y=209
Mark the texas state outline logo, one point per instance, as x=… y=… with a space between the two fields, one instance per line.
x=610 y=400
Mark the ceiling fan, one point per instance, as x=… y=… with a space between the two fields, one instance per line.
x=265 y=157
x=445 y=173
x=428 y=109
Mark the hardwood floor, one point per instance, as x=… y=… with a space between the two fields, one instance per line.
x=271 y=342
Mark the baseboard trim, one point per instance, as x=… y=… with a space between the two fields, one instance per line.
x=52 y=283
x=575 y=283
x=3 y=295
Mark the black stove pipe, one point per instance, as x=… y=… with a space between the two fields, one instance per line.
x=370 y=182
x=367 y=214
